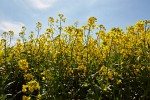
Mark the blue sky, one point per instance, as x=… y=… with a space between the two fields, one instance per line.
x=110 y=13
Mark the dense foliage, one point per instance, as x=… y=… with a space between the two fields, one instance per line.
x=67 y=62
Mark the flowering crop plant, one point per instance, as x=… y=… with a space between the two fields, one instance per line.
x=69 y=63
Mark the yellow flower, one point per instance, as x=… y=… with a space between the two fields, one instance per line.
x=91 y=21
x=11 y=33
x=60 y=15
x=3 y=40
x=43 y=78
x=23 y=64
x=28 y=76
x=26 y=98
x=24 y=88
x=139 y=26
x=23 y=28
x=31 y=34
x=31 y=88
x=39 y=97
x=119 y=81
x=82 y=68
x=103 y=70
x=110 y=75
x=21 y=33
x=50 y=30
x=105 y=89
x=51 y=20
x=64 y=20
x=33 y=85
x=38 y=24
x=70 y=71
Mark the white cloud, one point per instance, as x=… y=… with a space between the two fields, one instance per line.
x=40 y=4
x=9 y=25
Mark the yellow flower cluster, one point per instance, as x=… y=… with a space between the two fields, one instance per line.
x=26 y=98
x=31 y=86
x=91 y=22
x=46 y=75
x=23 y=64
x=28 y=76
x=82 y=68
x=68 y=53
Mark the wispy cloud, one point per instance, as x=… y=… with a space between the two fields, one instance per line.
x=40 y=4
x=9 y=25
